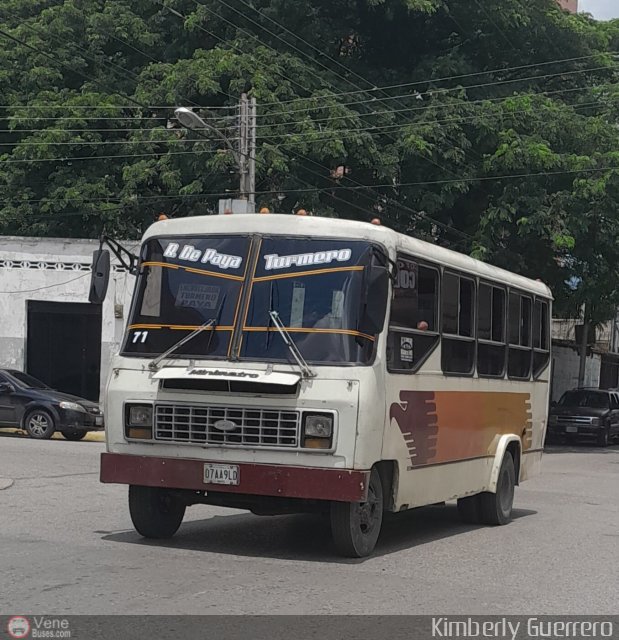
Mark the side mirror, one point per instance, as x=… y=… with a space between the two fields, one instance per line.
x=6 y=387
x=100 y=276
x=376 y=297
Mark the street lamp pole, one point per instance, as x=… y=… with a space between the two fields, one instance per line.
x=245 y=157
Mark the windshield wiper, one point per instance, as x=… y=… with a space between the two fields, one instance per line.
x=154 y=365
x=294 y=350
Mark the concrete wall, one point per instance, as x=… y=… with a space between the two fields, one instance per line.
x=55 y=271
x=565 y=364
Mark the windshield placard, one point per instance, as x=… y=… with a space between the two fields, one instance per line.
x=197 y=296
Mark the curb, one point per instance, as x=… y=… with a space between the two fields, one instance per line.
x=91 y=436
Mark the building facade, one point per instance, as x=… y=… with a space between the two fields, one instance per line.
x=48 y=328
x=569 y=5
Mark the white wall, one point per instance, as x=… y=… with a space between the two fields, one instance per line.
x=565 y=365
x=54 y=270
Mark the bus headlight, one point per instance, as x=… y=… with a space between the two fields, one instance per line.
x=139 y=421
x=317 y=430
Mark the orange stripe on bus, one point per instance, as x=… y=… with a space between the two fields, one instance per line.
x=202 y=272
x=347 y=332
x=314 y=272
x=179 y=327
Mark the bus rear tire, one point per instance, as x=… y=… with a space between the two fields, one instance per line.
x=496 y=508
x=155 y=512
x=355 y=526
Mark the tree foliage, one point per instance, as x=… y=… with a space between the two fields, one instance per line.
x=489 y=126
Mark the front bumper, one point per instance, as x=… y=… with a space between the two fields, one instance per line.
x=574 y=431
x=80 y=420
x=311 y=483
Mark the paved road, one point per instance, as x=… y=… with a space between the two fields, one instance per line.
x=67 y=547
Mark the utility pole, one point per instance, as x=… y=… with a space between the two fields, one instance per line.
x=252 y=155
x=584 y=340
x=244 y=147
x=247 y=151
x=244 y=155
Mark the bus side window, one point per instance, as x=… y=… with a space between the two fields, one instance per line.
x=519 y=323
x=458 y=309
x=491 y=343
x=413 y=331
x=541 y=337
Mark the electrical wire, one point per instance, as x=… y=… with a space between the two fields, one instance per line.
x=389 y=185
x=54 y=59
x=398 y=126
x=137 y=155
x=424 y=108
x=99 y=142
x=435 y=92
x=49 y=286
x=417 y=83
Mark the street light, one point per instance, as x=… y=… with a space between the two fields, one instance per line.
x=192 y=121
x=245 y=158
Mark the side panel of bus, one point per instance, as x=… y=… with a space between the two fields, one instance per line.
x=468 y=373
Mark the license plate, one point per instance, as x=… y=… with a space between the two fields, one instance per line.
x=571 y=429
x=99 y=421
x=221 y=474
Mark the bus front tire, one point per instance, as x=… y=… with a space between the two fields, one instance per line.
x=155 y=512
x=355 y=526
x=496 y=508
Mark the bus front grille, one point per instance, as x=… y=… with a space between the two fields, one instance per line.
x=227 y=426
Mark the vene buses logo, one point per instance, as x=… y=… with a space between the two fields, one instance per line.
x=18 y=627
x=50 y=627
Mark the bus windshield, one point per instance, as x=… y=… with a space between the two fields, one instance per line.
x=316 y=287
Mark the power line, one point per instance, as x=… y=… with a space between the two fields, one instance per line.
x=102 y=142
x=425 y=158
x=49 y=286
x=382 y=196
x=358 y=187
x=100 y=106
x=434 y=92
x=146 y=55
x=124 y=119
x=353 y=115
x=137 y=155
x=399 y=126
x=445 y=78
x=55 y=60
x=95 y=130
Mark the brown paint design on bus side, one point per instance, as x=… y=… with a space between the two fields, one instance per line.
x=445 y=426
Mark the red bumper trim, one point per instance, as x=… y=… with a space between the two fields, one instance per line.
x=343 y=485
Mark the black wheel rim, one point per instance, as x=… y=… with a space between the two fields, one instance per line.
x=506 y=492
x=368 y=513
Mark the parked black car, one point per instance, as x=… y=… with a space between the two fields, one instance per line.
x=592 y=413
x=28 y=403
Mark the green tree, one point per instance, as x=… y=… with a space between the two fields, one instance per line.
x=489 y=126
